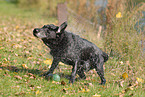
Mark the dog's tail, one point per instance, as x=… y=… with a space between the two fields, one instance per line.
x=105 y=56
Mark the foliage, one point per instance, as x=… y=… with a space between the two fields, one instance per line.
x=122 y=38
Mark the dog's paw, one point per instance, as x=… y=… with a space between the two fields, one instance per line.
x=103 y=82
x=46 y=74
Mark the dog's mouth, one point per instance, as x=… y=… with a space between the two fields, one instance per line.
x=39 y=33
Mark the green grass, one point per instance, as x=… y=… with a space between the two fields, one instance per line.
x=18 y=47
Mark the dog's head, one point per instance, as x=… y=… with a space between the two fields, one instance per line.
x=49 y=31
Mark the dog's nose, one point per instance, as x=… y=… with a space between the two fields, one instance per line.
x=35 y=31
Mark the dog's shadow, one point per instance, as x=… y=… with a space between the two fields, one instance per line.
x=32 y=71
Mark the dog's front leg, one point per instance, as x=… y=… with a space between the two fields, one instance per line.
x=73 y=74
x=53 y=66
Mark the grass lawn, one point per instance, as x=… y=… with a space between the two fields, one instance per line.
x=23 y=58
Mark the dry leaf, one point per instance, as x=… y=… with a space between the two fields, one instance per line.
x=21 y=93
x=121 y=95
x=113 y=74
x=121 y=62
x=82 y=90
x=38 y=87
x=124 y=75
x=121 y=83
x=16 y=86
x=18 y=77
x=54 y=82
x=139 y=80
x=48 y=61
x=96 y=95
x=26 y=76
x=119 y=15
x=31 y=77
x=60 y=63
x=24 y=66
x=37 y=92
x=87 y=90
x=63 y=83
x=31 y=85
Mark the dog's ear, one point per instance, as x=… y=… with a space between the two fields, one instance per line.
x=62 y=27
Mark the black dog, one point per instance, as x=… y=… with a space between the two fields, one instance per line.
x=72 y=50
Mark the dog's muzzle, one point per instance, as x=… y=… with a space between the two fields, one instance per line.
x=36 y=31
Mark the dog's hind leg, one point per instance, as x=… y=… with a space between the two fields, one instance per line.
x=81 y=73
x=100 y=72
x=73 y=74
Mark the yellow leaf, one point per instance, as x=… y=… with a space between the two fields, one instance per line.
x=82 y=91
x=24 y=66
x=124 y=75
x=53 y=82
x=87 y=90
x=60 y=63
x=96 y=95
x=48 y=61
x=139 y=80
x=37 y=92
x=119 y=15
x=17 y=27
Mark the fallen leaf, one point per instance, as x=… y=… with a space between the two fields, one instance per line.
x=32 y=76
x=18 y=77
x=31 y=85
x=24 y=66
x=129 y=88
x=60 y=63
x=124 y=75
x=139 y=80
x=48 y=61
x=38 y=87
x=113 y=74
x=121 y=62
x=87 y=90
x=88 y=84
x=96 y=95
x=121 y=95
x=82 y=91
x=37 y=92
x=21 y=93
x=26 y=76
x=16 y=86
x=54 y=82
x=17 y=27
x=63 y=83
x=119 y=15
x=121 y=83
